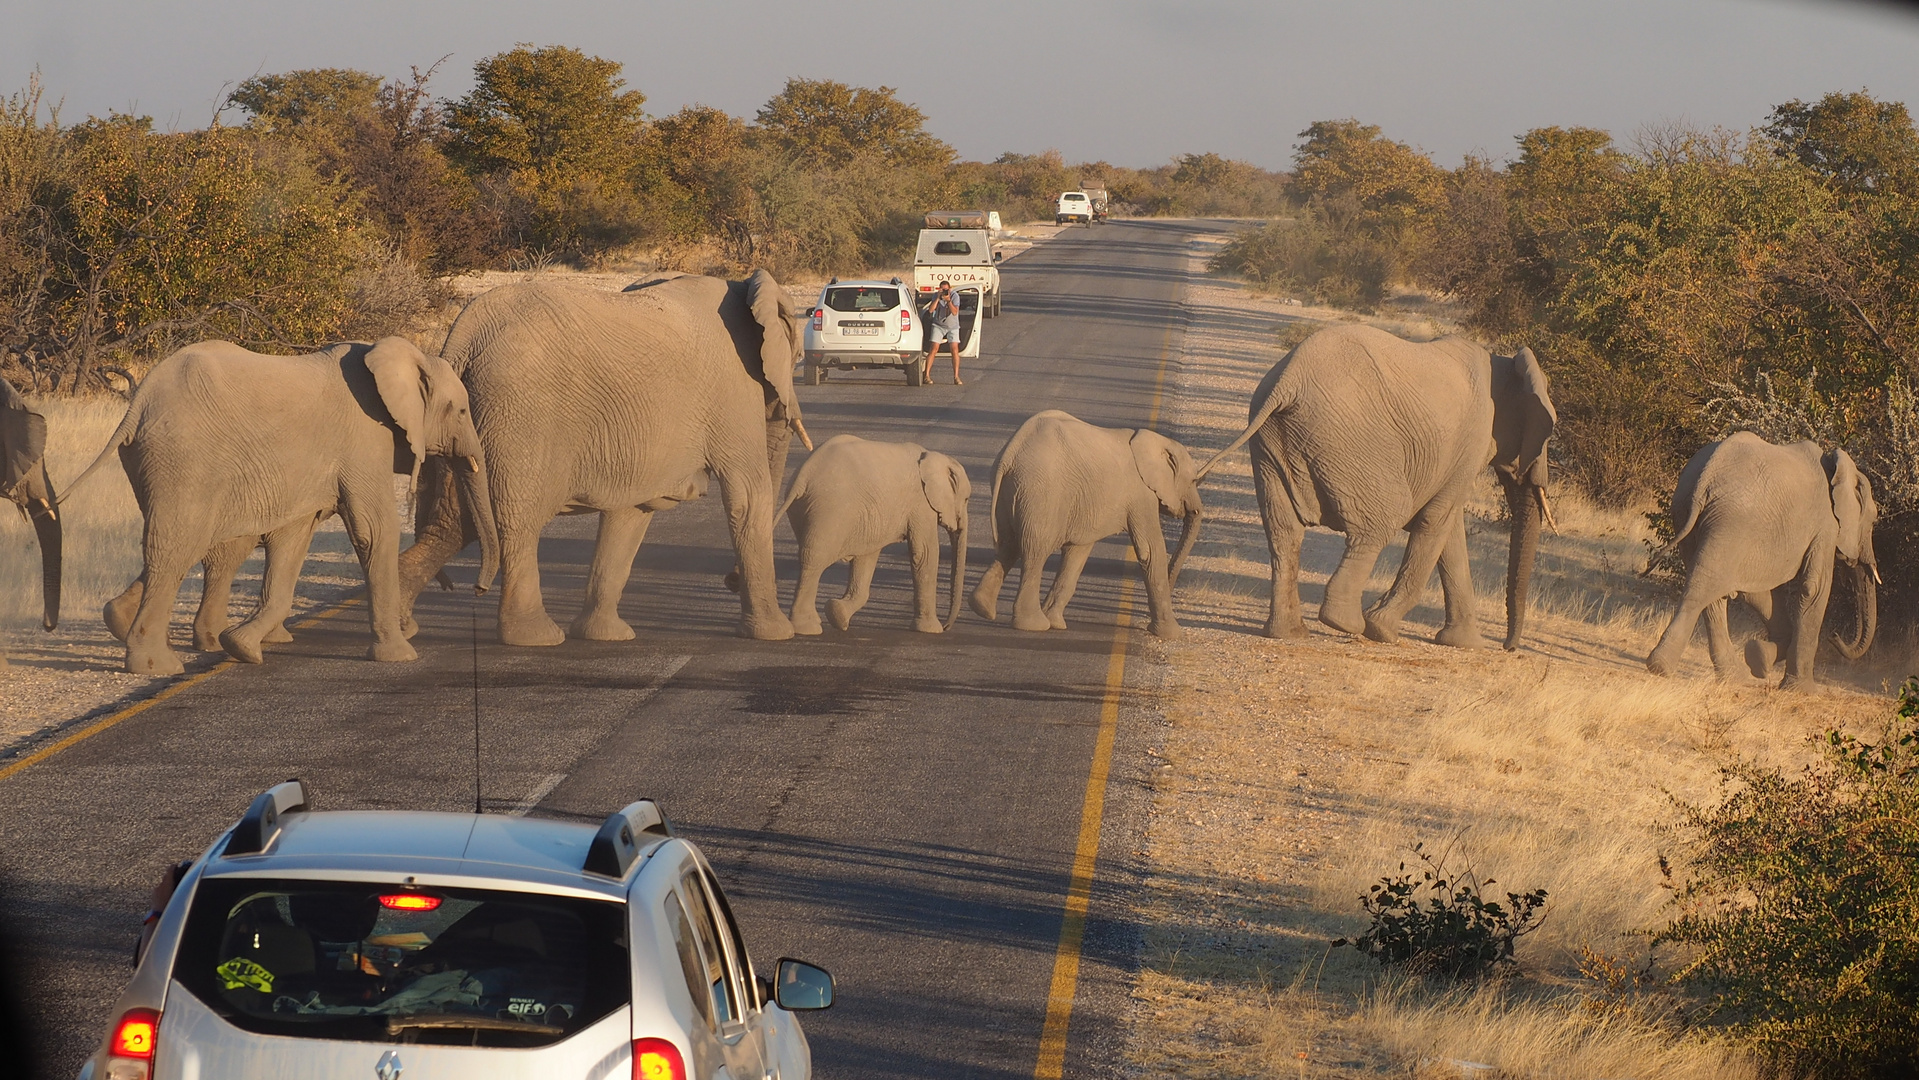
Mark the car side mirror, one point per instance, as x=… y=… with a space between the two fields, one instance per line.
x=997 y=255
x=799 y=986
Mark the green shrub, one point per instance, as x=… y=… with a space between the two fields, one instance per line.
x=1802 y=915
x=1440 y=924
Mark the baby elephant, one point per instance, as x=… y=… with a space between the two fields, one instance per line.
x=1061 y=483
x=853 y=497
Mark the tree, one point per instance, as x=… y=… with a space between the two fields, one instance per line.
x=1393 y=184
x=427 y=209
x=1857 y=144
x=313 y=97
x=826 y=124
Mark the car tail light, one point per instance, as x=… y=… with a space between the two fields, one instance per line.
x=409 y=901
x=906 y=319
x=926 y=288
x=130 y=1051
x=819 y=319
x=657 y=1059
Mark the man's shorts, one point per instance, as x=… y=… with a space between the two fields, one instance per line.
x=941 y=334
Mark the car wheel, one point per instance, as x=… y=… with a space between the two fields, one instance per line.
x=815 y=374
x=916 y=371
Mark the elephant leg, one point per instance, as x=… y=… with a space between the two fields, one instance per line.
x=926 y=579
x=1341 y=608
x=1284 y=535
x=217 y=571
x=120 y=610
x=375 y=531
x=1456 y=582
x=1027 y=613
x=1072 y=560
x=286 y=554
x=985 y=596
x=523 y=617
x=1672 y=644
x=1423 y=545
x=1149 y=546
x=859 y=587
x=1725 y=662
x=621 y=532
x=148 y=652
x=806 y=595
x=1761 y=653
x=1813 y=589
x=750 y=498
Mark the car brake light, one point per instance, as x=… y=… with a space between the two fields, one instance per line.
x=819 y=318
x=409 y=901
x=130 y=1051
x=657 y=1059
x=906 y=319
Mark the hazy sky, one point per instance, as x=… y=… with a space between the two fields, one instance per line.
x=1130 y=81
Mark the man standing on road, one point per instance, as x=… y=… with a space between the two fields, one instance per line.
x=946 y=327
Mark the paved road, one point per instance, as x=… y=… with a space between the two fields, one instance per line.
x=901 y=808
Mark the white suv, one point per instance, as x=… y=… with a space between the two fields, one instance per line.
x=865 y=324
x=1073 y=206
x=429 y=945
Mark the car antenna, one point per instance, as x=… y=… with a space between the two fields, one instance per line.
x=474 y=611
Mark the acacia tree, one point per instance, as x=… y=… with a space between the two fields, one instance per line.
x=824 y=124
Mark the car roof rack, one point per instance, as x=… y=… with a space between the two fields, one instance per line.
x=260 y=825
x=617 y=844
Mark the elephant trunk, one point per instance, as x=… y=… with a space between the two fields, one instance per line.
x=958 y=537
x=475 y=493
x=1525 y=502
x=1865 y=614
x=1186 y=537
x=46 y=527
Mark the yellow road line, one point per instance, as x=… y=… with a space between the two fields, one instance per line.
x=1079 y=891
x=139 y=707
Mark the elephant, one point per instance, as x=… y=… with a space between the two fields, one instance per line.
x=286 y=553
x=853 y=497
x=621 y=403
x=222 y=443
x=24 y=481
x=1367 y=434
x=1061 y=484
x=1764 y=523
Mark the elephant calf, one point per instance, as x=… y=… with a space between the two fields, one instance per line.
x=24 y=482
x=1763 y=523
x=853 y=497
x=1061 y=484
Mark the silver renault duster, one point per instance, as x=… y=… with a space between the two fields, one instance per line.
x=413 y=946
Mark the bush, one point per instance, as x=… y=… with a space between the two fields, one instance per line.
x=1456 y=933
x=1802 y=917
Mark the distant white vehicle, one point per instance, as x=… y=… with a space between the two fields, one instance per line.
x=957 y=246
x=1073 y=206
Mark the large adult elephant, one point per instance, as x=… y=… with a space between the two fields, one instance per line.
x=621 y=403
x=24 y=482
x=1764 y=523
x=220 y=443
x=1367 y=434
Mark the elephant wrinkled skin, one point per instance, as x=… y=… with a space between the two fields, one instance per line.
x=221 y=443
x=1765 y=523
x=24 y=482
x=1061 y=484
x=621 y=403
x=853 y=497
x=1367 y=434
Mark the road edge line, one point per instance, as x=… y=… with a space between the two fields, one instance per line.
x=166 y=692
x=1064 y=987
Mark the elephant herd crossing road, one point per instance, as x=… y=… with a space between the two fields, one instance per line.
x=549 y=399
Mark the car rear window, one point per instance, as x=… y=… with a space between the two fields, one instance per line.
x=952 y=247
x=1073 y=196
x=376 y=963
x=862 y=298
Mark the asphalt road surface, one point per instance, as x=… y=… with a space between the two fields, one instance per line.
x=900 y=808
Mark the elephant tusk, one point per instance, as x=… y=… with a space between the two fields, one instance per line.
x=1546 y=510
x=1876 y=579
x=800 y=430
x=472 y=463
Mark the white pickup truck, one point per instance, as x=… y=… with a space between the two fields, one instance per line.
x=1073 y=206
x=957 y=246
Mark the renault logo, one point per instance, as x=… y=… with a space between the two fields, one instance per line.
x=389 y=1066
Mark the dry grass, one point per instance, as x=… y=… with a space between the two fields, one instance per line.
x=1294 y=775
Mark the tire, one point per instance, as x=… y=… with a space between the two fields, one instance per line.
x=815 y=374
x=992 y=309
x=916 y=371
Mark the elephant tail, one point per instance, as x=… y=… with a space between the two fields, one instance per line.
x=798 y=489
x=122 y=435
x=1275 y=392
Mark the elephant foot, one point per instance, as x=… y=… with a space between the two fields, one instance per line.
x=1034 y=621
x=119 y=618
x=1760 y=656
x=1293 y=629
x=929 y=625
x=535 y=629
x=1660 y=665
x=242 y=647
x=600 y=627
x=986 y=608
x=207 y=640
x=409 y=626
x=806 y=623
x=1384 y=633
x=732 y=579
x=278 y=634
x=163 y=662
x=1460 y=637
x=1794 y=682
x=1346 y=622
x=1167 y=630
x=841 y=613
x=395 y=651
x=1056 y=618
x=774 y=627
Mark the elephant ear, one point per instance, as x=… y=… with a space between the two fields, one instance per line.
x=399 y=372
x=1538 y=417
x=1846 y=504
x=23 y=440
x=779 y=344
x=1157 y=458
x=947 y=488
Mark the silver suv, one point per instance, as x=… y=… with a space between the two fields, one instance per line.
x=865 y=324
x=411 y=946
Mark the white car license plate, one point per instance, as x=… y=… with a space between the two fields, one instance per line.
x=851 y=331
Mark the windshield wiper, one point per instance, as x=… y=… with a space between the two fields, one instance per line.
x=397 y=1024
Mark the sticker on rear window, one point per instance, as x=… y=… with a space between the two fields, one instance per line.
x=240 y=972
